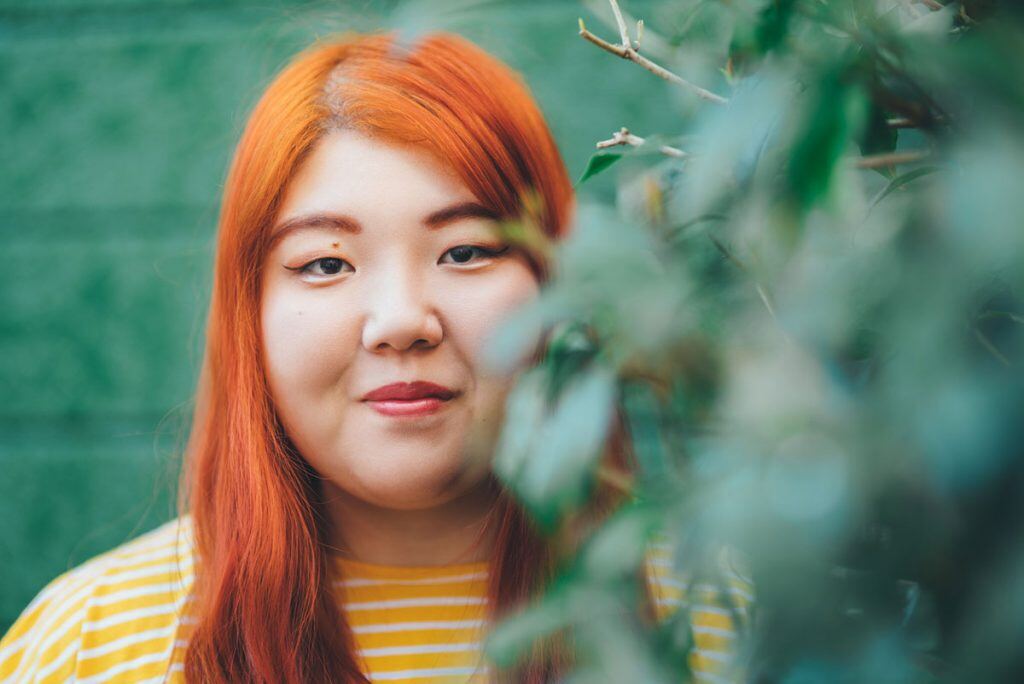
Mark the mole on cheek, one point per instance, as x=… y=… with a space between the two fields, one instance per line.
x=334 y=244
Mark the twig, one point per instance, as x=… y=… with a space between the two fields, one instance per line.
x=892 y=159
x=907 y=122
x=761 y=292
x=655 y=45
x=933 y=4
x=628 y=53
x=1016 y=318
x=991 y=348
x=766 y=300
x=623 y=33
x=726 y=253
x=624 y=137
x=616 y=479
x=901 y=122
x=621 y=137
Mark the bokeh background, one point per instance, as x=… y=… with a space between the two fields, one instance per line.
x=117 y=122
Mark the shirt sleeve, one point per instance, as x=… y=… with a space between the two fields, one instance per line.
x=42 y=644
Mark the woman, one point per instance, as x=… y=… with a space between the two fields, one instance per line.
x=344 y=419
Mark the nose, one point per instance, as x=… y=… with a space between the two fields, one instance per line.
x=399 y=315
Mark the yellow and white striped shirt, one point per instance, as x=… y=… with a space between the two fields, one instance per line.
x=123 y=617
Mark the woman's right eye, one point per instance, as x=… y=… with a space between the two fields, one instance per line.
x=324 y=266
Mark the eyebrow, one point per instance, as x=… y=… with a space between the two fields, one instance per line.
x=347 y=224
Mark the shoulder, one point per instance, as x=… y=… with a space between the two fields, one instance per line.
x=111 y=615
x=717 y=606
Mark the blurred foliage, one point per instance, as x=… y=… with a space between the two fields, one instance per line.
x=811 y=317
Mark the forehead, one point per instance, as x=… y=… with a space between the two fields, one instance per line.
x=348 y=171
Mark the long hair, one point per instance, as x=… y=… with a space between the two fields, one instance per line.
x=263 y=601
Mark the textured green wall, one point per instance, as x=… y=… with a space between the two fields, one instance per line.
x=117 y=121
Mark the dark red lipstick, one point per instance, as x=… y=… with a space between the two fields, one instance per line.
x=409 y=398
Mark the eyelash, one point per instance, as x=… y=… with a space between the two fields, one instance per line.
x=487 y=251
x=304 y=269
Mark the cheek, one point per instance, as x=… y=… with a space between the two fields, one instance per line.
x=478 y=311
x=306 y=344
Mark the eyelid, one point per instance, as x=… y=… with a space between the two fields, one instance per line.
x=489 y=252
x=301 y=270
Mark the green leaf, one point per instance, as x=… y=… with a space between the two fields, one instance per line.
x=572 y=345
x=598 y=163
x=773 y=24
x=620 y=546
x=833 y=114
x=547 y=454
x=643 y=418
x=513 y=636
x=901 y=180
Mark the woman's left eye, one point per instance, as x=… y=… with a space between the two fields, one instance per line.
x=464 y=253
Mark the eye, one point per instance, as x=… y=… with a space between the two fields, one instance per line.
x=324 y=266
x=463 y=254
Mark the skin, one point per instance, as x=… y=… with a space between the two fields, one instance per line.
x=343 y=314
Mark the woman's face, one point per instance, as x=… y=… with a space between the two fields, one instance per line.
x=385 y=270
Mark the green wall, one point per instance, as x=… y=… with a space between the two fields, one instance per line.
x=117 y=121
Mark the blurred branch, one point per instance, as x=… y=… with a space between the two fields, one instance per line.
x=907 y=122
x=1016 y=318
x=627 y=52
x=987 y=344
x=624 y=137
x=891 y=159
x=901 y=122
x=616 y=479
x=761 y=292
x=932 y=4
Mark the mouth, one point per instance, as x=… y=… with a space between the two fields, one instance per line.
x=399 y=408
x=410 y=399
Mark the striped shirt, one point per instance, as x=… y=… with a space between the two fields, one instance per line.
x=123 y=617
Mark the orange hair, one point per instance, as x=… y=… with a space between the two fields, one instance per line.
x=263 y=603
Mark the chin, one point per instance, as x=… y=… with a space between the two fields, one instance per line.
x=412 y=487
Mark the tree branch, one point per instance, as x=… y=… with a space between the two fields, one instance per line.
x=901 y=122
x=761 y=292
x=616 y=479
x=878 y=161
x=654 y=43
x=624 y=137
x=623 y=33
x=628 y=53
x=991 y=348
x=925 y=121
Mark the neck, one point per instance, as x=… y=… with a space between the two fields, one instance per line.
x=457 y=531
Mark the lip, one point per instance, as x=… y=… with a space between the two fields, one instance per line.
x=410 y=391
x=409 y=398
